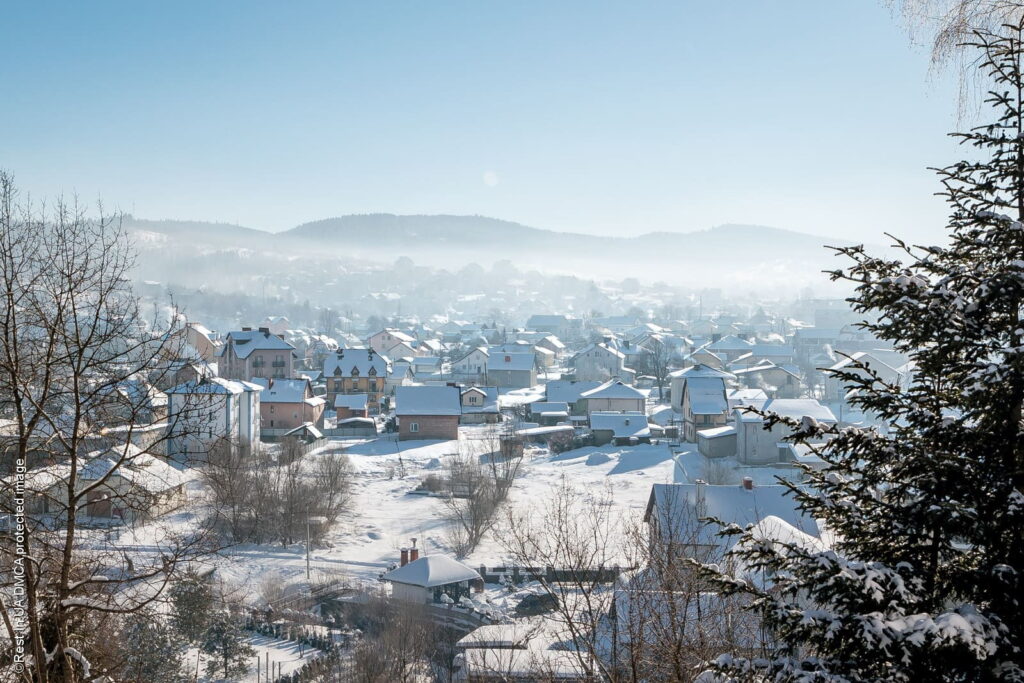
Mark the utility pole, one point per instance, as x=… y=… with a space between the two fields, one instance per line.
x=307 y=548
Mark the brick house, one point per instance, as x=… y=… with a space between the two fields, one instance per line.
x=255 y=353
x=428 y=412
x=357 y=371
x=290 y=403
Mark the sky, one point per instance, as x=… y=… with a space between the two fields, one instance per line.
x=597 y=117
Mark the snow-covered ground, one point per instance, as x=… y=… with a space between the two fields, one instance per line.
x=281 y=655
x=385 y=516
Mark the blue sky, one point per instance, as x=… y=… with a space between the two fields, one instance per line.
x=609 y=118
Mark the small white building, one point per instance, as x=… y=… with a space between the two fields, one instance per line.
x=426 y=579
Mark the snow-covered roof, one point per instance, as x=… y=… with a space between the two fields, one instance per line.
x=798 y=408
x=730 y=342
x=214 y=385
x=613 y=388
x=621 y=424
x=707 y=395
x=684 y=504
x=544 y=407
x=716 y=432
x=700 y=370
x=247 y=341
x=306 y=428
x=428 y=400
x=509 y=360
x=566 y=391
x=490 y=400
x=343 y=362
x=430 y=571
x=286 y=391
x=351 y=401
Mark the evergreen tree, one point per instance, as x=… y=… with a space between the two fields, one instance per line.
x=226 y=644
x=924 y=580
x=191 y=606
x=153 y=650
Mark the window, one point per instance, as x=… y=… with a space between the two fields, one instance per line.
x=414 y=427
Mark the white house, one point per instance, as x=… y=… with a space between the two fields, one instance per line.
x=472 y=366
x=600 y=362
x=200 y=413
x=426 y=580
x=614 y=395
x=757 y=446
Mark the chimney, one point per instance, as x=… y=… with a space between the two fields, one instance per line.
x=702 y=505
x=369 y=354
x=748 y=483
x=265 y=331
x=414 y=554
x=341 y=353
x=405 y=557
x=246 y=329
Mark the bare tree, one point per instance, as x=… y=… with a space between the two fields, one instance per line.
x=577 y=536
x=72 y=336
x=470 y=502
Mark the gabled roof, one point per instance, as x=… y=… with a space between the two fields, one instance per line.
x=798 y=408
x=343 y=361
x=706 y=395
x=287 y=391
x=614 y=388
x=214 y=385
x=490 y=400
x=430 y=571
x=396 y=334
x=677 y=505
x=567 y=391
x=621 y=424
x=245 y=342
x=428 y=400
x=549 y=408
x=510 y=360
x=700 y=370
x=730 y=342
x=476 y=349
x=351 y=401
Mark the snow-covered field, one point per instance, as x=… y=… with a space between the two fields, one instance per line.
x=385 y=516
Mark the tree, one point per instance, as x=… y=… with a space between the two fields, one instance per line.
x=327 y=321
x=154 y=651
x=191 y=598
x=74 y=348
x=926 y=577
x=226 y=644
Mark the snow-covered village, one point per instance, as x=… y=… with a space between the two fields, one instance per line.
x=282 y=401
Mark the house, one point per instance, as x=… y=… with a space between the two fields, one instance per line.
x=552 y=344
x=428 y=412
x=127 y=485
x=472 y=367
x=430 y=580
x=524 y=650
x=675 y=512
x=600 y=362
x=510 y=370
x=426 y=365
x=614 y=396
x=289 y=403
x=357 y=371
x=204 y=412
x=277 y=324
x=730 y=347
x=570 y=392
x=557 y=325
x=886 y=364
x=547 y=413
x=480 y=405
x=717 y=442
x=382 y=342
x=699 y=396
x=193 y=341
x=756 y=445
x=619 y=429
x=350 y=405
x=774 y=380
x=255 y=353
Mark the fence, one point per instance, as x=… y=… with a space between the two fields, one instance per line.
x=519 y=575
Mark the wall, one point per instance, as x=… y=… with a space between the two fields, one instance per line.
x=430 y=427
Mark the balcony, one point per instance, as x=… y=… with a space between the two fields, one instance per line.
x=279 y=363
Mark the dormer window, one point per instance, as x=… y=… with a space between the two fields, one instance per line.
x=337 y=372
x=372 y=372
x=355 y=372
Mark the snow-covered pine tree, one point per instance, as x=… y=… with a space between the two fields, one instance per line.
x=924 y=582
